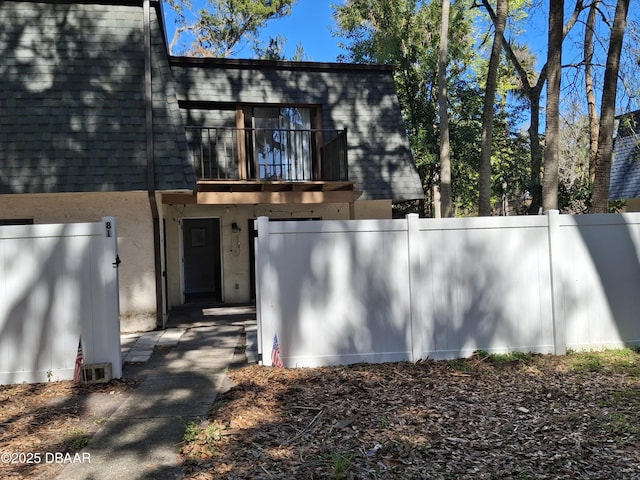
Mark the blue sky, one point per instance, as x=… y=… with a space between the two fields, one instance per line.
x=310 y=24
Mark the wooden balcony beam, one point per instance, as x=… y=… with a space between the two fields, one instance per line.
x=263 y=197
x=255 y=198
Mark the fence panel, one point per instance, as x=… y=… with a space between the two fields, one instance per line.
x=483 y=284
x=344 y=292
x=54 y=287
x=600 y=280
x=334 y=294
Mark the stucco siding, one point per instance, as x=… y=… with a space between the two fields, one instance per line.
x=373 y=209
x=235 y=248
x=135 y=240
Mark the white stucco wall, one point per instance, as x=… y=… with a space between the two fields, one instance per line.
x=135 y=240
x=373 y=209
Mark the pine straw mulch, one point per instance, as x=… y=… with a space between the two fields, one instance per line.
x=51 y=418
x=498 y=417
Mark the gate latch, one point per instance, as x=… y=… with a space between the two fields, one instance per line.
x=117 y=263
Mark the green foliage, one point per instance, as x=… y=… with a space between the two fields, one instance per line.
x=624 y=415
x=587 y=362
x=76 y=439
x=624 y=361
x=275 y=50
x=224 y=26
x=406 y=33
x=204 y=433
x=499 y=358
x=341 y=463
x=191 y=432
x=460 y=365
x=384 y=421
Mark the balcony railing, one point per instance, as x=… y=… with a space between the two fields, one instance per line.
x=268 y=154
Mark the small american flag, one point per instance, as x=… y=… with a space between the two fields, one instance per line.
x=276 y=361
x=77 y=373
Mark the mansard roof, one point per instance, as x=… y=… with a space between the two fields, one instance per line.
x=360 y=98
x=72 y=104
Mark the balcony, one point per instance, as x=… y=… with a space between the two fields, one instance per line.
x=268 y=154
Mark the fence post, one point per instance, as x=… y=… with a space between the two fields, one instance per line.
x=263 y=311
x=109 y=329
x=413 y=257
x=558 y=317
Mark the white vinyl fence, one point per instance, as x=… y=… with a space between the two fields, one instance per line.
x=340 y=292
x=58 y=284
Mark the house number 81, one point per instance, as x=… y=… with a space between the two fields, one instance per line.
x=108 y=229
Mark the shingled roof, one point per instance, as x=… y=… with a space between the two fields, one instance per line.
x=625 y=168
x=360 y=98
x=72 y=110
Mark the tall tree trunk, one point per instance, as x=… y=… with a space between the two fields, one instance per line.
x=600 y=199
x=591 y=96
x=446 y=209
x=533 y=93
x=484 y=201
x=552 y=129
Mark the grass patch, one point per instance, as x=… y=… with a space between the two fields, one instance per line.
x=503 y=358
x=460 y=365
x=340 y=465
x=625 y=361
x=191 y=431
x=100 y=421
x=385 y=422
x=76 y=439
x=203 y=433
x=587 y=362
x=624 y=415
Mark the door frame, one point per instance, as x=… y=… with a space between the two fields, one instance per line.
x=220 y=254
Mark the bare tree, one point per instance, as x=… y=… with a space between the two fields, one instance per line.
x=531 y=86
x=484 y=201
x=600 y=199
x=591 y=96
x=554 y=70
x=446 y=209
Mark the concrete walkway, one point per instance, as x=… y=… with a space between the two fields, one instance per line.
x=141 y=440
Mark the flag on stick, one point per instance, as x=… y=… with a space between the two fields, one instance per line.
x=276 y=361
x=77 y=373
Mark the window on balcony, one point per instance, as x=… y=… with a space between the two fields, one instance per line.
x=282 y=143
x=268 y=143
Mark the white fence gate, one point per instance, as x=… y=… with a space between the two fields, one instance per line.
x=58 y=284
x=339 y=292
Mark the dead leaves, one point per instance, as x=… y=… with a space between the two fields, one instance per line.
x=528 y=419
x=52 y=417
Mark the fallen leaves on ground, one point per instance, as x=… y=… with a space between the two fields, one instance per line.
x=487 y=417
x=39 y=422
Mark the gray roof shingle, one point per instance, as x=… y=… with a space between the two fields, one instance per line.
x=361 y=98
x=625 y=167
x=72 y=100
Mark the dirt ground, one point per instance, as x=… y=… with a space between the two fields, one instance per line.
x=487 y=417
x=41 y=423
